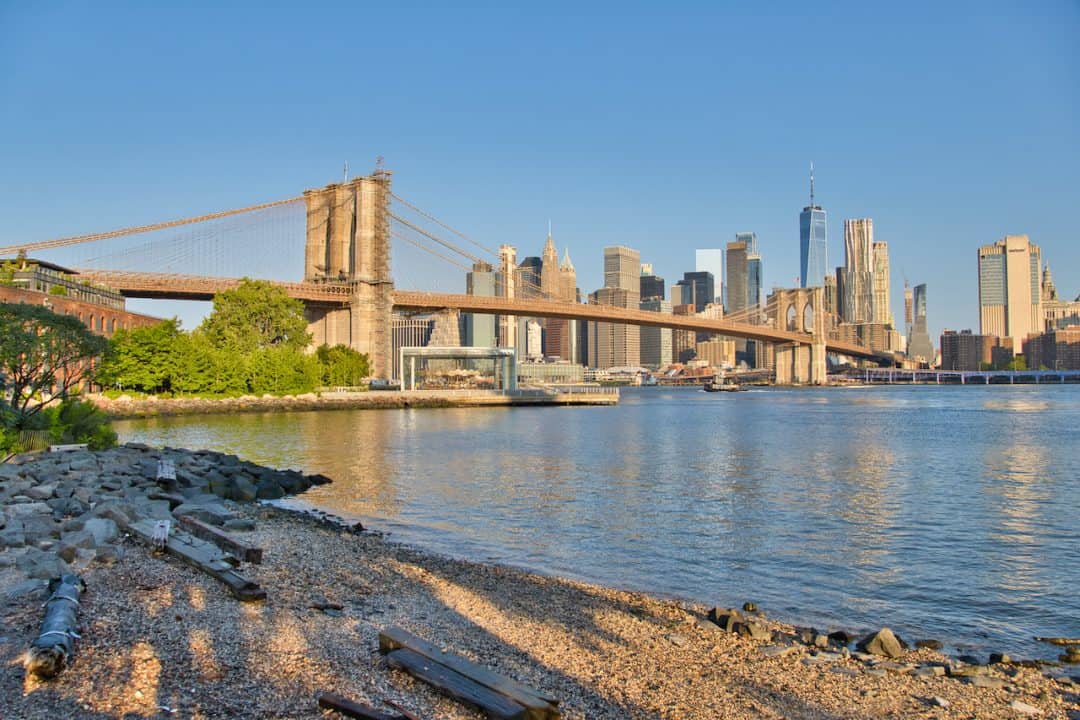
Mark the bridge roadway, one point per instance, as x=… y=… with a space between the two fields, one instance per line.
x=190 y=287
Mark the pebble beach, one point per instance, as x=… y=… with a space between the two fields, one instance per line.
x=158 y=638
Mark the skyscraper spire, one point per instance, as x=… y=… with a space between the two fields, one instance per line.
x=811 y=183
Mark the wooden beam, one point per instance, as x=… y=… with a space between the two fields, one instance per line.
x=222 y=539
x=343 y=705
x=538 y=706
x=456 y=685
x=203 y=556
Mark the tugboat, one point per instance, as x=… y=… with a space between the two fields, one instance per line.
x=723 y=383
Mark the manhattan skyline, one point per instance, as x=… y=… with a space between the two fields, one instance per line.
x=662 y=132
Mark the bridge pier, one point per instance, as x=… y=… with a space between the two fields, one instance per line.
x=348 y=241
x=800 y=310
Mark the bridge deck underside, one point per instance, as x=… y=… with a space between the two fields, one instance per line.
x=180 y=287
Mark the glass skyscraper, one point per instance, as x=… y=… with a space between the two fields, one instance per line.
x=813 y=242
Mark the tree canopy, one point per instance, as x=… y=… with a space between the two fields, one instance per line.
x=43 y=356
x=254 y=316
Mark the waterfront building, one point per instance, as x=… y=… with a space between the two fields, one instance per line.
x=857 y=300
x=813 y=242
x=1010 y=292
x=550 y=373
x=45 y=277
x=966 y=351
x=919 y=346
x=656 y=342
x=1057 y=349
x=480 y=329
x=718 y=352
x=683 y=342
x=711 y=260
x=406 y=331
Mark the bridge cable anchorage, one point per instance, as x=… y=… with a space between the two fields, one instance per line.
x=445 y=243
x=439 y=222
x=93 y=237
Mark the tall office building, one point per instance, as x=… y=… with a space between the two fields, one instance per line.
x=652 y=286
x=857 y=301
x=612 y=345
x=711 y=260
x=813 y=242
x=736 y=281
x=881 y=313
x=1010 y=293
x=480 y=329
x=755 y=289
x=704 y=288
x=919 y=344
x=655 y=341
x=560 y=337
x=506 y=287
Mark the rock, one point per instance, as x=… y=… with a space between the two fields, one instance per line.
x=929 y=644
x=240 y=524
x=242 y=490
x=28 y=508
x=107 y=555
x=24 y=589
x=317 y=479
x=67 y=507
x=984 y=681
x=930 y=671
x=850 y=672
x=42 y=565
x=214 y=514
x=940 y=702
x=269 y=490
x=40 y=492
x=1024 y=708
x=821 y=641
x=677 y=640
x=753 y=630
x=968 y=671
x=883 y=643
x=39 y=527
x=999 y=658
x=104 y=530
x=896 y=668
x=725 y=618
x=12 y=536
x=749 y=607
x=840 y=637
x=779 y=650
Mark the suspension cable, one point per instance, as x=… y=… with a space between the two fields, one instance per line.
x=439 y=222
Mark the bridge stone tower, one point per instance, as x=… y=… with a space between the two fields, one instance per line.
x=348 y=242
x=800 y=310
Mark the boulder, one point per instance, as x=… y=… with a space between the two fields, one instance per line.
x=269 y=490
x=753 y=630
x=28 y=508
x=39 y=527
x=40 y=492
x=103 y=529
x=240 y=524
x=213 y=514
x=726 y=618
x=242 y=490
x=883 y=643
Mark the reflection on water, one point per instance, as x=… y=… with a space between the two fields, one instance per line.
x=944 y=512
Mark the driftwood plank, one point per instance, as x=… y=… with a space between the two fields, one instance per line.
x=203 y=556
x=343 y=705
x=222 y=539
x=538 y=706
x=456 y=685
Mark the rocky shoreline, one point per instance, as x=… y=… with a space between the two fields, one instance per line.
x=161 y=639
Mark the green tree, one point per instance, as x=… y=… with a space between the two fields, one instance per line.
x=256 y=315
x=283 y=370
x=1018 y=363
x=79 y=421
x=203 y=368
x=341 y=365
x=143 y=358
x=43 y=357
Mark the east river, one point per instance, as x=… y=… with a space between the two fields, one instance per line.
x=943 y=512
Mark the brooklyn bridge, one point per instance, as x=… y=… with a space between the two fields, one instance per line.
x=352 y=230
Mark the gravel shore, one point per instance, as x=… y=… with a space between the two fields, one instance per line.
x=160 y=639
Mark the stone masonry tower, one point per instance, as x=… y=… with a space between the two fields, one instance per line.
x=348 y=242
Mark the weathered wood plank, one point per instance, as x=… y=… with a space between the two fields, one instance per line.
x=222 y=539
x=456 y=685
x=343 y=705
x=203 y=556
x=538 y=706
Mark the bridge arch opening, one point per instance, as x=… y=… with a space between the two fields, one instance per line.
x=808 y=318
x=790 y=317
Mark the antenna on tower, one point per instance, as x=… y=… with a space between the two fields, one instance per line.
x=811 y=184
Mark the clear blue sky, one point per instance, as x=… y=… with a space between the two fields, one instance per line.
x=666 y=127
